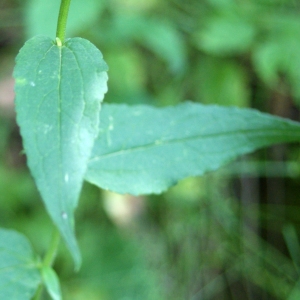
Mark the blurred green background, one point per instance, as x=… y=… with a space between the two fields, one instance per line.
x=232 y=234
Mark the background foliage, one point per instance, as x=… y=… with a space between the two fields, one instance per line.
x=232 y=234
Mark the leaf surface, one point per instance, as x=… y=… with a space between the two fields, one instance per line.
x=19 y=274
x=52 y=283
x=143 y=150
x=58 y=97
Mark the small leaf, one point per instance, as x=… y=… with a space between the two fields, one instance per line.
x=19 y=273
x=142 y=150
x=58 y=95
x=52 y=283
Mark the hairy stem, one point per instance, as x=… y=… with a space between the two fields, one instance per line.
x=62 y=20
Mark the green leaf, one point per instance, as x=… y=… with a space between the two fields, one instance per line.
x=225 y=35
x=19 y=273
x=58 y=95
x=52 y=283
x=223 y=82
x=277 y=58
x=143 y=150
x=159 y=36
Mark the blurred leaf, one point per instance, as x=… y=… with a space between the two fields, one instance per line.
x=130 y=6
x=223 y=35
x=295 y=293
x=292 y=242
x=222 y=4
x=52 y=283
x=223 y=82
x=111 y=258
x=41 y=16
x=127 y=75
x=19 y=274
x=279 y=54
x=58 y=97
x=164 y=40
x=159 y=36
x=142 y=150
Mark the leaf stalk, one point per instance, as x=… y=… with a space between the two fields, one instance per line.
x=62 y=20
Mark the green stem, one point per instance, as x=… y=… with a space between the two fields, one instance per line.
x=52 y=250
x=62 y=19
x=49 y=259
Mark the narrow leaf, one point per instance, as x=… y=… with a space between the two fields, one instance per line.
x=19 y=273
x=142 y=150
x=58 y=96
x=52 y=283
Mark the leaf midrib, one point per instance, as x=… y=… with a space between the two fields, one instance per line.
x=183 y=140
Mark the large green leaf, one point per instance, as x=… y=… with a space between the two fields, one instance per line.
x=143 y=150
x=19 y=273
x=59 y=90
